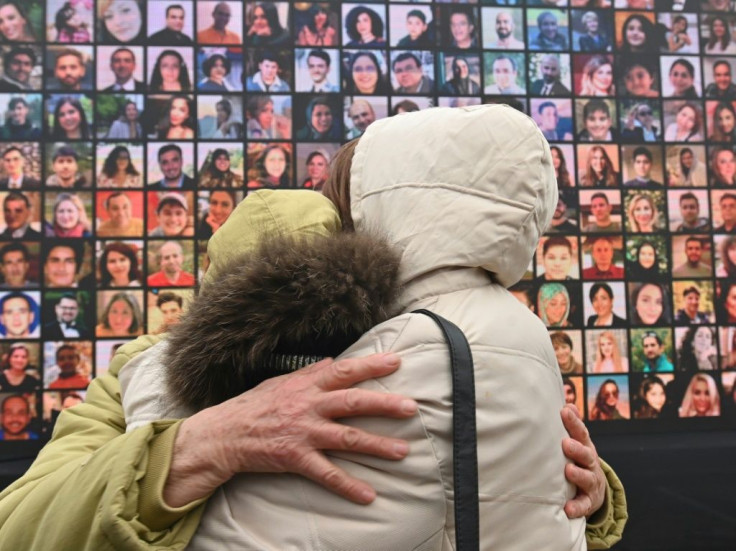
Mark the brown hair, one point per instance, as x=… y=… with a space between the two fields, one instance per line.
x=337 y=186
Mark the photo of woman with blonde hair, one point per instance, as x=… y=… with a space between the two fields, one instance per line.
x=608 y=357
x=701 y=398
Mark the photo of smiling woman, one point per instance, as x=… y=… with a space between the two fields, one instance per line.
x=68 y=215
x=701 y=398
x=119 y=314
x=119 y=265
x=603 y=302
x=696 y=348
x=606 y=351
x=649 y=304
x=644 y=211
x=120 y=22
x=651 y=398
x=15 y=24
x=177 y=119
x=610 y=400
x=363 y=73
x=553 y=305
x=70 y=118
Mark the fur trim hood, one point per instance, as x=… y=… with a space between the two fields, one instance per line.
x=291 y=295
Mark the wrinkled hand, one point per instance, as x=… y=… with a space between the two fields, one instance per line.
x=283 y=425
x=585 y=471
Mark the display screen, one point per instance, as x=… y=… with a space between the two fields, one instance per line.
x=132 y=128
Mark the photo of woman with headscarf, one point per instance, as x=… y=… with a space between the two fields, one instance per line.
x=217 y=171
x=322 y=121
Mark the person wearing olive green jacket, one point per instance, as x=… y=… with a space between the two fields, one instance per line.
x=94 y=487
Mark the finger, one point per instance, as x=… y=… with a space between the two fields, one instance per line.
x=582 y=478
x=318 y=468
x=334 y=436
x=359 y=401
x=575 y=426
x=578 y=453
x=578 y=507
x=349 y=371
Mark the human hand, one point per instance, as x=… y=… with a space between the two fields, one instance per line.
x=585 y=471
x=283 y=425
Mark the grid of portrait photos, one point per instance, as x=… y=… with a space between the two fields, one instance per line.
x=132 y=128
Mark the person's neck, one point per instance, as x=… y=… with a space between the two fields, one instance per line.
x=603 y=267
x=604 y=223
x=74 y=135
x=605 y=320
x=222 y=30
x=694 y=264
x=366 y=38
x=171 y=86
x=172 y=276
x=15 y=176
x=121 y=282
x=465 y=43
x=172 y=183
x=120 y=82
x=691 y=314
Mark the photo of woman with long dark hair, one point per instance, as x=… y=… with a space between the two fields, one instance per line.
x=723 y=128
x=638 y=35
x=720 y=40
x=687 y=126
x=652 y=397
x=364 y=75
x=177 y=122
x=605 y=406
x=170 y=73
x=365 y=28
x=15 y=25
x=69 y=121
x=461 y=83
x=118 y=266
x=272 y=168
x=120 y=22
x=649 y=304
x=318 y=31
x=560 y=165
x=216 y=171
x=126 y=126
x=263 y=27
x=697 y=350
x=119 y=170
x=723 y=166
x=599 y=169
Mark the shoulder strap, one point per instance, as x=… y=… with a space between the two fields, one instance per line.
x=464 y=439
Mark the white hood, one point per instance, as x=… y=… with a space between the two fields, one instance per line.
x=454 y=188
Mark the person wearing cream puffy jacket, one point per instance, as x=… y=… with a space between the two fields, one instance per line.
x=464 y=213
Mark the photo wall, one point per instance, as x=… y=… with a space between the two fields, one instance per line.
x=132 y=128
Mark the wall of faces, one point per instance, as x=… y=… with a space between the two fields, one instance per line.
x=132 y=128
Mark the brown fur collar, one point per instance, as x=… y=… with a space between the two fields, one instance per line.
x=291 y=297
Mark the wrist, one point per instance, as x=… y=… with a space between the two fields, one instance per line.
x=196 y=468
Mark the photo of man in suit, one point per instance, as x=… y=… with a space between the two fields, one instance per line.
x=13 y=162
x=122 y=65
x=17 y=212
x=549 y=84
x=66 y=325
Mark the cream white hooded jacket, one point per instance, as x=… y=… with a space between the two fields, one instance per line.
x=464 y=195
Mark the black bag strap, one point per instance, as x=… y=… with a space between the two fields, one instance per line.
x=464 y=438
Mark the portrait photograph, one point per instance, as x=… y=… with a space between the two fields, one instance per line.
x=565 y=216
x=67 y=263
x=412 y=27
x=119 y=214
x=458 y=27
x=547 y=29
x=20 y=264
x=458 y=74
x=652 y=350
x=504 y=73
x=361 y=112
x=682 y=32
x=602 y=257
x=716 y=32
x=121 y=22
x=120 y=69
x=317 y=24
x=365 y=72
x=221 y=23
x=170 y=263
x=645 y=211
x=595 y=120
x=20 y=165
x=270 y=117
x=606 y=351
x=557 y=258
x=266 y=24
x=412 y=72
x=69 y=68
x=683 y=121
x=640 y=120
x=652 y=396
x=600 y=210
x=313 y=164
x=220 y=69
x=647 y=258
x=269 y=165
x=503 y=28
x=558 y=304
x=170 y=214
x=718 y=73
x=680 y=76
x=170 y=22
x=568 y=346
x=268 y=70
x=20 y=314
x=119 y=165
x=20 y=367
x=722 y=165
x=642 y=166
x=692 y=256
x=593 y=75
x=68 y=214
x=170 y=117
x=25 y=207
x=686 y=166
x=462 y=101
x=23 y=22
x=693 y=304
x=118 y=116
x=638 y=76
x=164 y=308
x=635 y=32
x=22 y=116
x=119 y=314
x=554 y=117
x=68 y=365
x=592 y=30
x=723 y=210
x=170 y=69
x=220 y=117
x=573 y=387
x=724 y=252
x=608 y=398
x=721 y=121
x=21 y=67
x=316 y=118
x=119 y=264
x=214 y=208
x=68 y=315
x=688 y=210
x=317 y=70
x=221 y=165
x=727 y=346
x=410 y=104
x=69 y=117
x=605 y=304
x=178 y=158
x=598 y=165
